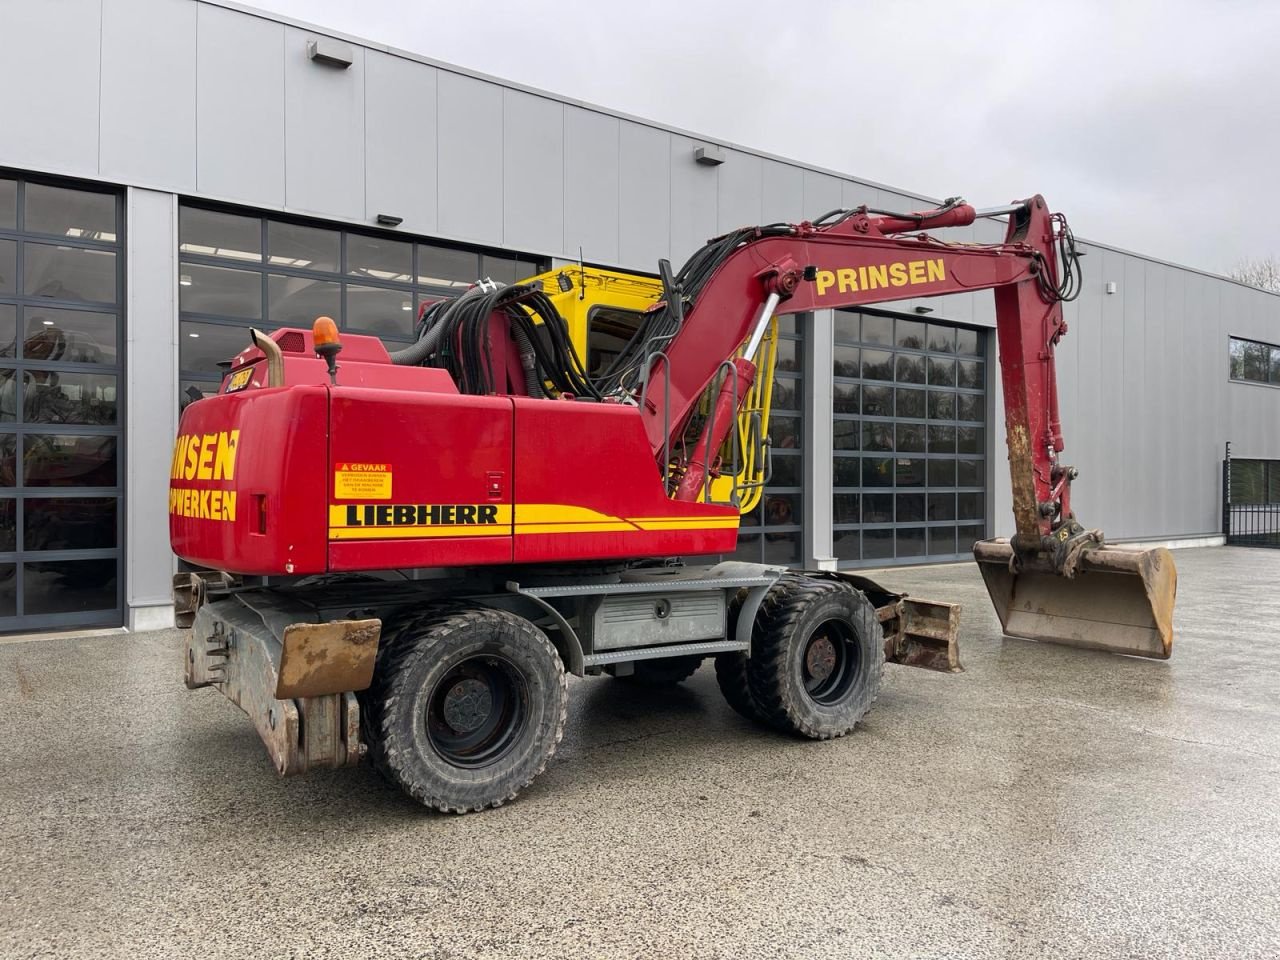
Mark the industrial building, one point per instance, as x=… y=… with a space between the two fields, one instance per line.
x=173 y=171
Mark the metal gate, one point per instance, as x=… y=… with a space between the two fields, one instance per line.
x=1250 y=501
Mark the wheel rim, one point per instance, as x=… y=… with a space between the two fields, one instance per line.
x=477 y=711
x=829 y=662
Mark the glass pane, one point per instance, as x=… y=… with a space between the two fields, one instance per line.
x=942 y=439
x=970 y=374
x=846 y=326
x=8 y=204
x=971 y=406
x=303 y=248
x=789 y=358
x=876 y=329
x=70 y=336
x=942 y=541
x=447 y=268
x=911 y=403
x=70 y=213
x=8 y=266
x=204 y=345
x=845 y=544
x=877 y=473
x=910 y=473
x=786 y=471
x=57 y=396
x=1236 y=346
x=388 y=313
x=220 y=292
x=68 y=273
x=844 y=508
x=942 y=373
x=942 y=506
x=748 y=548
x=911 y=334
x=751 y=519
x=845 y=361
x=501 y=269
x=878 y=401
x=911 y=542
x=969 y=440
x=1275 y=364
x=910 y=507
x=910 y=438
x=877 y=365
x=189 y=391
x=68 y=461
x=380 y=258
x=69 y=523
x=69 y=586
x=8 y=330
x=8 y=589
x=970 y=505
x=969 y=473
x=8 y=524
x=297 y=301
x=877 y=544
x=910 y=368
x=942 y=473
x=214 y=234
x=967 y=343
x=782 y=509
x=845 y=435
x=877 y=508
x=942 y=406
x=782 y=548
x=844 y=397
x=877 y=436
x=785 y=432
x=966 y=537
x=1256 y=360
x=1247 y=481
x=786 y=393
x=942 y=339
x=526 y=269
x=8 y=460
x=845 y=471
x=786 y=325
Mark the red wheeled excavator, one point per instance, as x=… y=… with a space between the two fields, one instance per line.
x=405 y=554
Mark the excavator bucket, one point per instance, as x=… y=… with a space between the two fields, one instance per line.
x=1119 y=600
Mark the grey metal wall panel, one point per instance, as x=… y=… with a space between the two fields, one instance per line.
x=591 y=170
x=822 y=192
x=533 y=172
x=693 y=200
x=148 y=111
x=855 y=194
x=644 y=195
x=739 y=192
x=152 y=409
x=783 y=192
x=400 y=141
x=324 y=131
x=239 y=107
x=49 y=72
x=1106 y=472
x=469 y=183
x=1133 y=401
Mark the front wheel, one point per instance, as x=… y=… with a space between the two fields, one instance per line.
x=817 y=654
x=466 y=708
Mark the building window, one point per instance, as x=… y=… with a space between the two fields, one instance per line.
x=771 y=533
x=908 y=439
x=1254 y=362
x=1255 y=481
x=238 y=270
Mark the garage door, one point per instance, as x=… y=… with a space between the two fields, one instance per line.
x=61 y=405
x=909 y=405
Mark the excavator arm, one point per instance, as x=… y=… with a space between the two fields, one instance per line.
x=857 y=258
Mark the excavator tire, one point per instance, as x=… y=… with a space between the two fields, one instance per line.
x=466 y=707
x=731 y=671
x=666 y=672
x=816 y=657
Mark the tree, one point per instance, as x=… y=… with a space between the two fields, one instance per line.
x=1264 y=273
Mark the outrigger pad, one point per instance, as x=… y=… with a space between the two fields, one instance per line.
x=1120 y=600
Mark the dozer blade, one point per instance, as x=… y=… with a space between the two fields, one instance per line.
x=1119 y=600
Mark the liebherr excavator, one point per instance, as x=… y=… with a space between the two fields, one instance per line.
x=405 y=554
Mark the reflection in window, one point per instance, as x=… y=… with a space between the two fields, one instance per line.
x=68 y=273
x=377 y=310
x=65 y=586
x=60 y=396
x=220 y=291
x=303 y=248
x=1253 y=361
x=67 y=212
x=297 y=301
x=69 y=336
x=62 y=460
x=212 y=233
x=69 y=523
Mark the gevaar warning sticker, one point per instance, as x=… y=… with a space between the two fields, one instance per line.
x=362 y=481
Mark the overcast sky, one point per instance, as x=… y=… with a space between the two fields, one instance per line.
x=1154 y=126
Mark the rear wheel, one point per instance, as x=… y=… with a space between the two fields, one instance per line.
x=731 y=671
x=466 y=708
x=817 y=655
